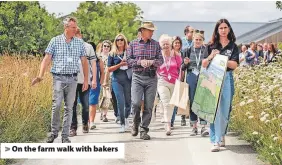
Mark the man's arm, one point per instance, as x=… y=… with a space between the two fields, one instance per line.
x=93 y=58
x=85 y=70
x=85 y=66
x=250 y=56
x=44 y=64
x=49 y=52
x=158 y=61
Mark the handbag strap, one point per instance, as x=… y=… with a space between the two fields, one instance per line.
x=180 y=73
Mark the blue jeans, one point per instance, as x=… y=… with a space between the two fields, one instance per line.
x=218 y=128
x=173 y=115
x=192 y=80
x=122 y=89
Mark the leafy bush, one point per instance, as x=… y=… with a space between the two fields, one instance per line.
x=257 y=109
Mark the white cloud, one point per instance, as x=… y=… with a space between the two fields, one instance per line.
x=250 y=11
x=240 y=11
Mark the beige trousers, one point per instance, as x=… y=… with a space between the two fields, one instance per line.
x=165 y=90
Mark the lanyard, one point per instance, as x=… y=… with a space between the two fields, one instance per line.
x=198 y=59
x=167 y=66
x=120 y=58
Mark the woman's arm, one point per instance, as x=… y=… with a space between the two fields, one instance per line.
x=232 y=64
x=112 y=67
x=115 y=67
x=208 y=58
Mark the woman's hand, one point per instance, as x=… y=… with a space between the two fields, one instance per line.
x=186 y=60
x=123 y=63
x=213 y=53
x=206 y=61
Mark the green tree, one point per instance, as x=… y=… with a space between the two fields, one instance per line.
x=279 y=5
x=25 y=26
x=104 y=20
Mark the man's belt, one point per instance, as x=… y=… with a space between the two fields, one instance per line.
x=68 y=75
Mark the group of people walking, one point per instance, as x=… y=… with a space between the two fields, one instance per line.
x=132 y=74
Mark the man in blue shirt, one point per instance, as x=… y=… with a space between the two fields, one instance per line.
x=187 y=41
x=64 y=51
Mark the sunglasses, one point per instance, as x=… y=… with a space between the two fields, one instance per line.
x=199 y=31
x=120 y=39
x=106 y=46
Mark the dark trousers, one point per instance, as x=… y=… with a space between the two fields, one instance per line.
x=114 y=103
x=84 y=99
x=143 y=85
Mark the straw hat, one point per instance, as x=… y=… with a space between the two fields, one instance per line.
x=148 y=25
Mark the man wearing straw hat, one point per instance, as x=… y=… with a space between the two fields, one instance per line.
x=144 y=56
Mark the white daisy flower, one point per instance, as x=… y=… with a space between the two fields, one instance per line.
x=250 y=101
x=255 y=133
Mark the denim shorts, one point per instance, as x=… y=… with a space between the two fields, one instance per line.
x=94 y=95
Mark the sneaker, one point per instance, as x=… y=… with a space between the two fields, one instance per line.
x=66 y=140
x=191 y=125
x=72 y=133
x=93 y=126
x=168 y=130
x=126 y=124
x=117 y=120
x=204 y=132
x=134 y=130
x=172 y=126
x=215 y=147
x=183 y=122
x=122 y=129
x=105 y=118
x=194 y=131
x=144 y=135
x=222 y=143
x=51 y=138
x=85 y=128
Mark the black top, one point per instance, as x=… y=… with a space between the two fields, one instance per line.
x=231 y=50
x=114 y=60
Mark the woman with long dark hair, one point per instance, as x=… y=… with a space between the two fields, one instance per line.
x=270 y=54
x=222 y=42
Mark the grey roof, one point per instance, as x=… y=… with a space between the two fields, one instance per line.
x=176 y=28
x=261 y=32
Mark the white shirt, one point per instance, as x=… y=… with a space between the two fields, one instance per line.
x=91 y=56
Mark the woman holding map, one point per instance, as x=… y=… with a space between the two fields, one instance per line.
x=223 y=43
x=193 y=57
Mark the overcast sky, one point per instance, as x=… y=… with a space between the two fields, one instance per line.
x=251 y=11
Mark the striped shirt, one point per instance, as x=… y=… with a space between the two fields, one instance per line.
x=65 y=56
x=139 y=50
